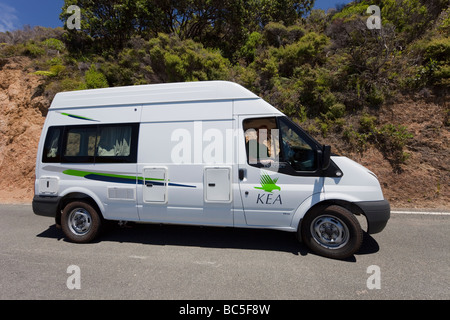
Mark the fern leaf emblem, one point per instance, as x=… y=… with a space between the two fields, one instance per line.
x=267 y=183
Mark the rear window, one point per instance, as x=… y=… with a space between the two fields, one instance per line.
x=52 y=146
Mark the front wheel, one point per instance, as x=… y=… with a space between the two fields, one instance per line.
x=80 y=222
x=332 y=232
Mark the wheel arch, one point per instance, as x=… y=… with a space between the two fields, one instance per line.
x=84 y=196
x=318 y=205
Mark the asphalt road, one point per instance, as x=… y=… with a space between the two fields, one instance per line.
x=409 y=260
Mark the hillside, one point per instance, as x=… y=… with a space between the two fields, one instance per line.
x=378 y=96
x=423 y=182
x=21 y=121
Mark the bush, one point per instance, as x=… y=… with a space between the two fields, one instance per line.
x=375 y=97
x=393 y=138
x=367 y=123
x=54 y=44
x=177 y=60
x=437 y=60
x=275 y=33
x=95 y=79
x=54 y=71
x=34 y=49
x=438 y=49
x=390 y=139
x=248 y=50
x=352 y=11
x=309 y=49
x=336 y=111
x=410 y=17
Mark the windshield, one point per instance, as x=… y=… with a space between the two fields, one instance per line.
x=298 y=149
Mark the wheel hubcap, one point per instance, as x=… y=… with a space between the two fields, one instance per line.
x=329 y=232
x=80 y=221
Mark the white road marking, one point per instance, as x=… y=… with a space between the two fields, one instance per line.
x=436 y=213
x=139 y=257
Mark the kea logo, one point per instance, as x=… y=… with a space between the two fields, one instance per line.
x=267 y=183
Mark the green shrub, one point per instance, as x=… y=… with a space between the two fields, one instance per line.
x=352 y=11
x=274 y=33
x=44 y=73
x=33 y=49
x=437 y=61
x=95 y=79
x=336 y=111
x=55 y=71
x=408 y=16
x=438 y=49
x=375 y=97
x=367 y=123
x=444 y=25
x=72 y=84
x=309 y=49
x=176 y=60
x=248 y=50
x=54 y=44
x=392 y=137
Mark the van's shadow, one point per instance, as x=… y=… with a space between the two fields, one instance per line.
x=209 y=237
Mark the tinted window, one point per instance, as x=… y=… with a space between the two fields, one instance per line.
x=279 y=144
x=117 y=143
x=52 y=146
x=297 y=150
x=261 y=141
x=79 y=144
x=94 y=143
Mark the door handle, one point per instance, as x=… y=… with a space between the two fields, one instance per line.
x=148 y=184
x=241 y=174
x=211 y=185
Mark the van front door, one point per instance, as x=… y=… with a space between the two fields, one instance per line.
x=278 y=170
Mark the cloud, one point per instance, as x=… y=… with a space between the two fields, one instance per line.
x=8 y=18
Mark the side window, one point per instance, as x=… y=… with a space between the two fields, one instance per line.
x=79 y=144
x=117 y=143
x=112 y=143
x=52 y=145
x=296 y=149
x=262 y=141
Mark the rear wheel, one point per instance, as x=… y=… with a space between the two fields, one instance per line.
x=332 y=232
x=80 y=222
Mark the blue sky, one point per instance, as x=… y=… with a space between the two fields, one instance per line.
x=14 y=14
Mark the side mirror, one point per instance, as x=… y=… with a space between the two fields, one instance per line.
x=326 y=157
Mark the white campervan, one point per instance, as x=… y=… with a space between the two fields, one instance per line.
x=203 y=153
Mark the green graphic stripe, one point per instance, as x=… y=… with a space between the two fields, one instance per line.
x=117 y=178
x=83 y=174
x=77 y=117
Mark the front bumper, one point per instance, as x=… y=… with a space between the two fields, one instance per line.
x=46 y=206
x=377 y=214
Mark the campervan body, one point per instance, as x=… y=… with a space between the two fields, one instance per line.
x=200 y=153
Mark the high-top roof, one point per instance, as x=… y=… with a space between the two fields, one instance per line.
x=153 y=93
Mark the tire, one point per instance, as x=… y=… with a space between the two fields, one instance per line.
x=332 y=232
x=80 y=222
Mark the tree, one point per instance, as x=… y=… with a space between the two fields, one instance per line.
x=222 y=24
x=287 y=11
x=108 y=23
